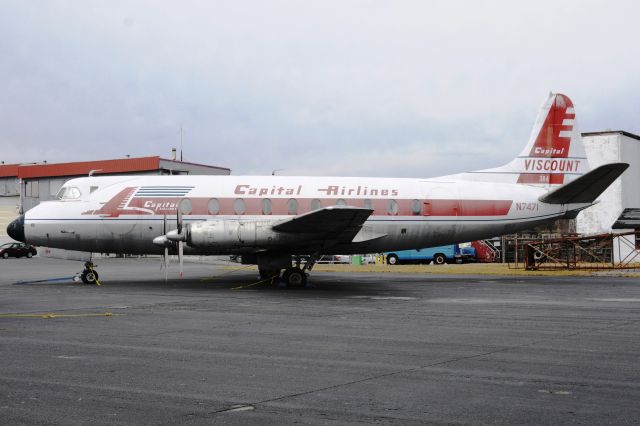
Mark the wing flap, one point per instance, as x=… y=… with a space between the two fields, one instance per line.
x=588 y=187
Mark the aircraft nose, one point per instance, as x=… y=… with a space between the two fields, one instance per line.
x=16 y=229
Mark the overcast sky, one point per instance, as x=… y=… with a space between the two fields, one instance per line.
x=370 y=88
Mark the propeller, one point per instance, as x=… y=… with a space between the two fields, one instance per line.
x=177 y=236
x=170 y=239
x=165 y=242
x=166 y=250
x=180 y=248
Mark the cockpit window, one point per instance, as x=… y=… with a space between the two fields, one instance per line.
x=69 y=193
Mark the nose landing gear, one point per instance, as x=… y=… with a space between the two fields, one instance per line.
x=89 y=274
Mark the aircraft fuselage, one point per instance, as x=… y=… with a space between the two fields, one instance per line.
x=124 y=214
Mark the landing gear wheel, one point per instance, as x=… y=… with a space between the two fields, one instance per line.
x=392 y=259
x=439 y=259
x=269 y=273
x=89 y=277
x=295 y=277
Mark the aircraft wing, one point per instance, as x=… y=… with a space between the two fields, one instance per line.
x=339 y=223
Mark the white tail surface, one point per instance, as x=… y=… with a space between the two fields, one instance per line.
x=554 y=154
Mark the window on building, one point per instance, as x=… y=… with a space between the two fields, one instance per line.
x=54 y=186
x=32 y=189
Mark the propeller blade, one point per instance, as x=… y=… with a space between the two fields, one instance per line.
x=179 y=220
x=180 y=257
x=166 y=263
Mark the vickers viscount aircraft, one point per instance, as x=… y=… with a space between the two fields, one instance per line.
x=287 y=223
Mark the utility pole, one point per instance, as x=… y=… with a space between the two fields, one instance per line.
x=180 y=141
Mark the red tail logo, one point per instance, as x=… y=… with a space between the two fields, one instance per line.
x=553 y=143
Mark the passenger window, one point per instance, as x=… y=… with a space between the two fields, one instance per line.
x=416 y=207
x=266 y=206
x=316 y=204
x=292 y=206
x=368 y=204
x=393 y=207
x=214 y=206
x=186 y=206
x=341 y=202
x=239 y=206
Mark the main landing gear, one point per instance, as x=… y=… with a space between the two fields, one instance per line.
x=294 y=276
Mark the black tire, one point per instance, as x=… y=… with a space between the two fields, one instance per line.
x=295 y=277
x=29 y=255
x=5 y=255
x=439 y=259
x=392 y=259
x=89 y=277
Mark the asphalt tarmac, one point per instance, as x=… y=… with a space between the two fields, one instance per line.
x=354 y=348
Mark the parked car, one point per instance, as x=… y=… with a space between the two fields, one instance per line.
x=437 y=255
x=17 y=250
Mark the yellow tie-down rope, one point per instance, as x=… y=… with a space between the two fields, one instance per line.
x=256 y=283
x=94 y=274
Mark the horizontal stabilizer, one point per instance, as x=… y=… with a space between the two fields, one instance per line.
x=333 y=219
x=586 y=188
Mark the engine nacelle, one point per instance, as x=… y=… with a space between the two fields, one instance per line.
x=233 y=233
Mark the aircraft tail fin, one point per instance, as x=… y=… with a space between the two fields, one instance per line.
x=586 y=188
x=554 y=154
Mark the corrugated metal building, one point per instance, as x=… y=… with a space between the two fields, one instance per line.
x=9 y=182
x=41 y=182
x=608 y=147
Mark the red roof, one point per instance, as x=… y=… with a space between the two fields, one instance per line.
x=123 y=165
x=9 y=170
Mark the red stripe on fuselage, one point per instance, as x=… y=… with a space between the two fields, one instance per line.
x=546 y=178
x=280 y=206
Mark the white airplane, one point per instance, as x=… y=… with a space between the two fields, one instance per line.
x=288 y=222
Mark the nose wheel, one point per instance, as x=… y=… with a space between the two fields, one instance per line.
x=89 y=274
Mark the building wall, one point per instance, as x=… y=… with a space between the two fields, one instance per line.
x=624 y=192
x=8 y=212
x=9 y=186
x=177 y=167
